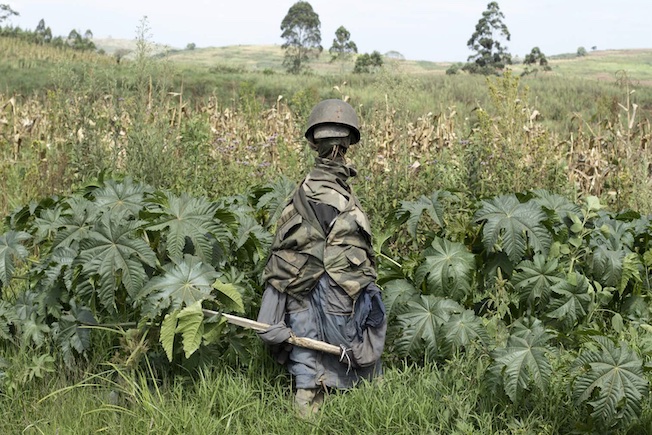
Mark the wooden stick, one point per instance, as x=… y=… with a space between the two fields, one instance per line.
x=308 y=343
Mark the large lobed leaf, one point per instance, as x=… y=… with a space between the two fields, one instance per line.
x=419 y=324
x=611 y=382
x=412 y=211
x=560 y=206
x=461 y=330
x=513 y=227
x=397 y=292
x=535 y=279
x=523 y=362
x=188 y=218
x=276 y=196
x=614 y=268
x=115 y=254
x=185 y=281
x=79 y=214
x=614 y=234
x=607 y=265
x=448 y=269
x=125 y=197
x=571 y=300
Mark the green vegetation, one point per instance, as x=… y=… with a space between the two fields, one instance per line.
x=301 y=31
x=490 y=53
x=510 y=217
x=342 y=46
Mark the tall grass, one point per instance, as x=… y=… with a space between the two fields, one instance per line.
x=488 y=136
x=409 y=399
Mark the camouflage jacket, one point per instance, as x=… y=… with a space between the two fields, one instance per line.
x=303 y=250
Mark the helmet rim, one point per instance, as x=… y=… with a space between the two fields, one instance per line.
x=336 y=112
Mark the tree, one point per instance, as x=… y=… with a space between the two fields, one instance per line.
x=342 y=46
x=536 y=57
x=74 y=39
x=302 y=36
x=6 y=12
x=366 y=63
x=43 y=34
x=490 y=54
x=581 y=51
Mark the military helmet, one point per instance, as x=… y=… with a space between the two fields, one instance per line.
x=332 y=111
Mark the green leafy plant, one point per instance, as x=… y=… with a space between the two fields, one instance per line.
x=447 y=270
x=513 y=227
x=523 y=362
x=611 y=383
x=11 y=251
x=420 y=324
x=411 y=212
x=534 y=280
x=119 y=252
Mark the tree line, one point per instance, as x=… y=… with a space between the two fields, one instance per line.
x=301 y=31
x=43 y=34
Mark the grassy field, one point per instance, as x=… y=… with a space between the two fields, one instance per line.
x=598 y=65
x=223 y=121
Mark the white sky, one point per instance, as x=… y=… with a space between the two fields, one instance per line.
x=434 y=30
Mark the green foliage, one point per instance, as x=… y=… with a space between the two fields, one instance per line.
x=18 y=374
x=571 y=301
x=6 y=12
x=490 y=53
x=218 y=136
x=513 y=227
x=123 y=251
x=342 y=46
x=412 y=211
x=535 y=57
x=272 y=199
x=11 y=250
x=193 y=224
x=611 y=383
x=447 y=270
x=462 y=330
x=184 y=282
x=111 y=256
x=420 y=326
x=368 y=63
x=509 y=149
x=302 y=35
x=397 y=292
x=523 y=363
x=534 y=280
x=189 y=323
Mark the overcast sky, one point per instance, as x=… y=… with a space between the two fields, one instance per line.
x=434 y=30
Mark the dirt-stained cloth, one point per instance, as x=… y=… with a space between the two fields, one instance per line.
x=328 y=315
x=322 y=230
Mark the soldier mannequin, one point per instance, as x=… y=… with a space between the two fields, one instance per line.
x=320 y=276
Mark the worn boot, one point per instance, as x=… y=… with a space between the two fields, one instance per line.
x=303 y=401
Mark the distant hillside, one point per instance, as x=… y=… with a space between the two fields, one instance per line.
x=111 y=45
x=600 y=65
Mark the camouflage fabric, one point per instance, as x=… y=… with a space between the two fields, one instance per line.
x=302 y=251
